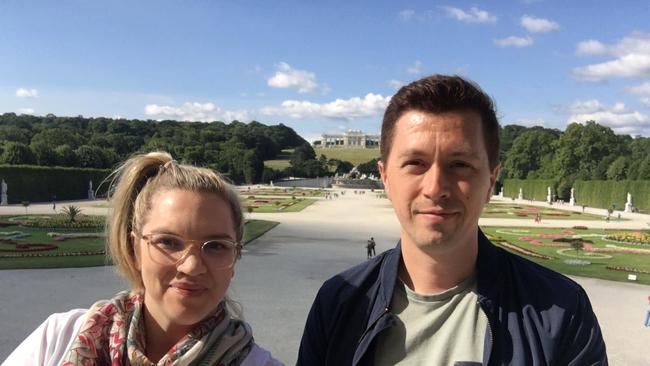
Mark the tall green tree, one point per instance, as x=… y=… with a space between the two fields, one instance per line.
x=17 y=153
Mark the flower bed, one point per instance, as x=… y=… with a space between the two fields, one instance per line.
x=580 y=227
x=637 y=237
x=24 y=247
x=520 y=250
x=627 y=269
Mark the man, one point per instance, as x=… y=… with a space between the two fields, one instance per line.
x=370 y=248
x=446 y=295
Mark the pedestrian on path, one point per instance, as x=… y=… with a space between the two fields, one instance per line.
x=647 y=314
x=370 y=248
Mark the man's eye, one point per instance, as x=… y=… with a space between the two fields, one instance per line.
x=461 y=164
x=412 y=163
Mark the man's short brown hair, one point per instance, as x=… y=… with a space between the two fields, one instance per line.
x=437 y=94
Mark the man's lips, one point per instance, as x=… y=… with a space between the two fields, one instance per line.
x=434 y=212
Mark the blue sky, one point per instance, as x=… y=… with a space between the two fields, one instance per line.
x=324 y=66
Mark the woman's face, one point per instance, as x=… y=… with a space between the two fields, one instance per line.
x=184 y=293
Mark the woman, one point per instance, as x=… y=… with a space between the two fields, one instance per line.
x=175 y=234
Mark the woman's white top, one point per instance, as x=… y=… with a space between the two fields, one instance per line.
x=47 y=345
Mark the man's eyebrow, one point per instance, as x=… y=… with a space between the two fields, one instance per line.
x=463 y=152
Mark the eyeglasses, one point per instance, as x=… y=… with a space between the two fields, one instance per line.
x=171 y=249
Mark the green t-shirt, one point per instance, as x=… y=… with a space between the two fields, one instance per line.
x=438 y=329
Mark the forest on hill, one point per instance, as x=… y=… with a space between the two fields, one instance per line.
x=588 y=151
x=236 y=149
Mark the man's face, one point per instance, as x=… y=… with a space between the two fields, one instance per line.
x=438 y=178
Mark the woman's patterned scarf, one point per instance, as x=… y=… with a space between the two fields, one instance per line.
x=113 y=334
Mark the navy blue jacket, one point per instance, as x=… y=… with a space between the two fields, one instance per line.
x=535 y=316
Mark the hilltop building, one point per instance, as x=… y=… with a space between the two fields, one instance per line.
x=355 y=139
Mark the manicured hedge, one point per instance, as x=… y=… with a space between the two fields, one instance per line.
x=40 y=184
x=605 y=193
x=536 y=189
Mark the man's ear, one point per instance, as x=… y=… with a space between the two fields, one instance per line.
x=494 y=175
x=384 y=176
x=134 y=243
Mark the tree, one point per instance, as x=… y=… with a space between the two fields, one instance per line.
x=528 y=151
x=65 y=156
x=71 y=211
x=17 y=153
x=369 y=167
x=577 y=244
x=618 y=169
x=302 y=153
x=43 y=153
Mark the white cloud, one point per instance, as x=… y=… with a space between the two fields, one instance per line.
x=287 y=77
x=416 y=68
x=628 y=66
x=591 y=47
x=514 y=41
x=582 y=107
x=538 y=25
x=26 y=93
x=639 y=89
x=619 y=118
x=632 y=58
x=406 y=15
x=396 y=84
x=474 y=15
x=195 y=111
x=370 y=105
x=25 y=111
x=645 y=101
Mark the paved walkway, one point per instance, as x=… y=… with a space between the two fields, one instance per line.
x=280 y=273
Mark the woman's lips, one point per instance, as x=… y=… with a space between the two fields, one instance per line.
x=187 y=289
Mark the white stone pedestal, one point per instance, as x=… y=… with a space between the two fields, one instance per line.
x=628 y=207
x=3 y=200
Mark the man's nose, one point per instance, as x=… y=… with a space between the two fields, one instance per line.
x=435 y=184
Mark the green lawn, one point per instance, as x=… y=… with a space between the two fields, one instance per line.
x=354 y=156
x=540 y=241
x=281 y=161
x=56 y=258
x=284 y=192
x=267 y=205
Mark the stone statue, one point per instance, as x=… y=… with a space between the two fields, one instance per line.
x=628 y=204
x=3 y=196
x=91 y=193
x=572 y=201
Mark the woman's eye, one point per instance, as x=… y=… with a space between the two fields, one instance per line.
x=168 y=243
x=216 y=246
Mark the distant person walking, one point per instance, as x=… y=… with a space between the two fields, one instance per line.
x=370 y=247
x=647 y=314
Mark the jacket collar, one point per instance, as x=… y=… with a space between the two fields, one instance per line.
x=487 y=274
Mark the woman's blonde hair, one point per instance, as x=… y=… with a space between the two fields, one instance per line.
x=132 y=187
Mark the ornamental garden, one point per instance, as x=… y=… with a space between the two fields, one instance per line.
x=580 y=251
x=51 y=241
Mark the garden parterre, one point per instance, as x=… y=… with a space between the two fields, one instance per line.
x=556 y=247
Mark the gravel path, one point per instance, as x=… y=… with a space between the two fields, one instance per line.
x=280 y=273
